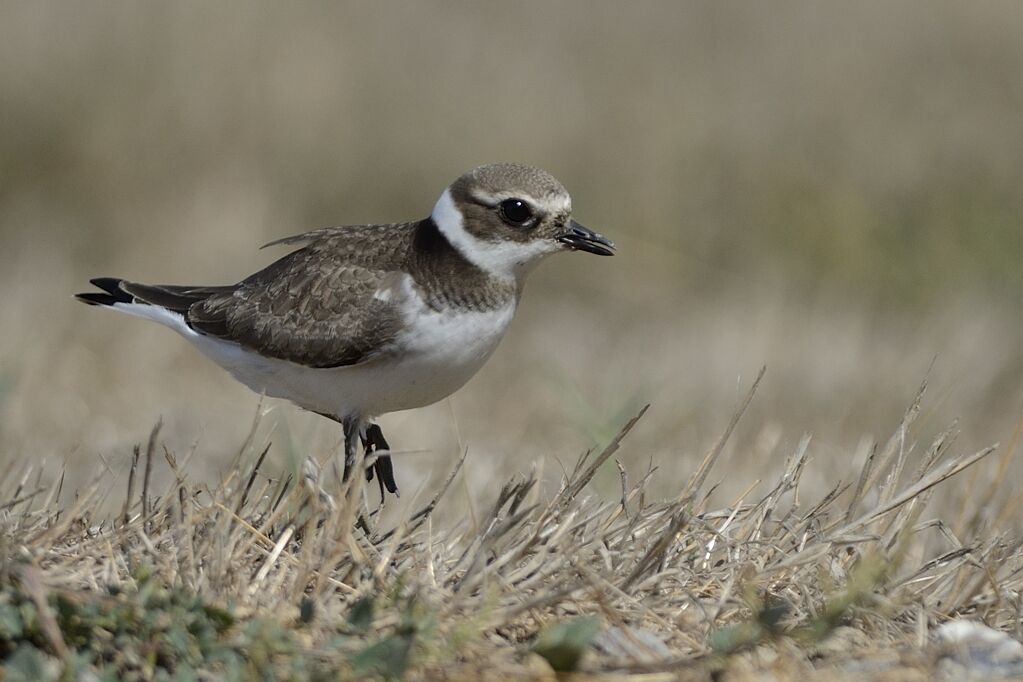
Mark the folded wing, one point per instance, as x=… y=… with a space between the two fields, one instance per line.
x=317 y=306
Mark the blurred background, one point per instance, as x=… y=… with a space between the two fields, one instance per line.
x=832 y=190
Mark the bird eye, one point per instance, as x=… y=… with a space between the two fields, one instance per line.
x=516 y=212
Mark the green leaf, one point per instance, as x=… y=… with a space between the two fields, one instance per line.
x=564 y=644
x=388 y=657
x=732 y=638
x=306 y=610
x=360 y=616
x=772 y=613
x=10 y=622
x=28 y=664
x=222 y=619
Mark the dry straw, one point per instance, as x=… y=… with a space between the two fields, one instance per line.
x=709 y=585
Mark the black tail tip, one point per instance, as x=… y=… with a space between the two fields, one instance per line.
x=111 y=285
x=112 y=292
x=96 y=298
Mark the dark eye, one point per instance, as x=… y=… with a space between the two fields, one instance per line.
x=516 y=211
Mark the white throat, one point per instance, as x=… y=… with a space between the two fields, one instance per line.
x=504 y=259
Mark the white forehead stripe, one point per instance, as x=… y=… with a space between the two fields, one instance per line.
x=556 y=203
x=501 y=258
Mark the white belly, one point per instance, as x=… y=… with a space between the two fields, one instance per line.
x=435 y=356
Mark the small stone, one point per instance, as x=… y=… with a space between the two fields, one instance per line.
x=973 y=651
x=632 y=645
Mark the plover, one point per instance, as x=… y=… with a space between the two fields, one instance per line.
x=363 y=320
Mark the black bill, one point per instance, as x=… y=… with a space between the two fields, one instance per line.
x=584 y=239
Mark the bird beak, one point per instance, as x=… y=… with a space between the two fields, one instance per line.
x=579 y=238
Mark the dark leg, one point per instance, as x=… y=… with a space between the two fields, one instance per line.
x=374 y=442
x=367 y=447
x=351 y=429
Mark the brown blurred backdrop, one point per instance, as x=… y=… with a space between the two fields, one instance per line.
x=831 y=189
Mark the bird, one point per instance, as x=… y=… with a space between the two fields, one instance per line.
x=359 y=321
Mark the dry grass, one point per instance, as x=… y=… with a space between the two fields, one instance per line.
x=300 y=579
x=781 y=180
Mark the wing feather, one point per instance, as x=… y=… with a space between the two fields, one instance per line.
x=316 y=305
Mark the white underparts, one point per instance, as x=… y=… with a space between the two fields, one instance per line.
x=504 y=258
x=433 y=356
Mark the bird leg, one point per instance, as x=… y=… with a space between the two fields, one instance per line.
x=374 y=441
x=351 y=430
